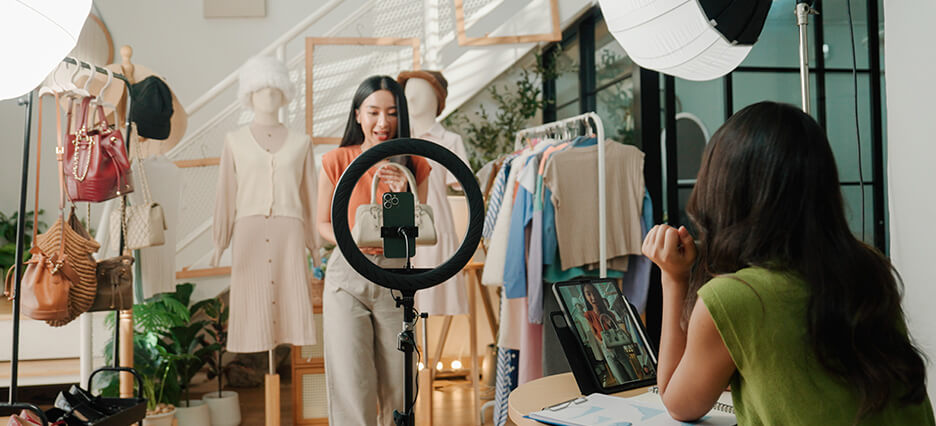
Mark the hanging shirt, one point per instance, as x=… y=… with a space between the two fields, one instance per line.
x=572 y=177
x=495 y=200
x=494 y=262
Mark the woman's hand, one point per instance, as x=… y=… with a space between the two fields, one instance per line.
x=673 y=250
x=393 y=177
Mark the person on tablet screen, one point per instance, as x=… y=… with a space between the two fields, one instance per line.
x=610 y=337
x=778 y=298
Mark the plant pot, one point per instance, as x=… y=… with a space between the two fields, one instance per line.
x=196 y=414
x=164 y=419
x=225 y=410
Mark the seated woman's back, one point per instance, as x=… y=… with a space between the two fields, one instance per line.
x=799 y=315
x=761 y=316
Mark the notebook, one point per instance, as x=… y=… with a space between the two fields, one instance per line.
x=646 y=409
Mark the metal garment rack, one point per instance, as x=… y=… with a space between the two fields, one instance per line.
x=20 y=233
x=549 y=128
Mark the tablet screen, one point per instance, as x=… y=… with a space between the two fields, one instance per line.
x=608 y=330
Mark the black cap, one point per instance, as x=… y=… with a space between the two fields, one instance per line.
x=151 y=108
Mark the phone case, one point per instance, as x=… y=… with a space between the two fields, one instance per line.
x=399 y=210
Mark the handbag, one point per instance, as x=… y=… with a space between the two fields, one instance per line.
x=368 y=218
x=99 y=168
x=143 y=225
x=614 y=337
x=114 y=284
x=48 y=275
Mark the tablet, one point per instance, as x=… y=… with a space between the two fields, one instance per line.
x=609 y=334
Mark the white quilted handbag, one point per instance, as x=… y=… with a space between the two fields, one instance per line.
x=145 y=224
x=368 y=218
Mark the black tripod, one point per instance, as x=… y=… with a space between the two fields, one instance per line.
x=406 y=342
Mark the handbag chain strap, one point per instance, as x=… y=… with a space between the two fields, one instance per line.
x=82 y=138
x=147 y=196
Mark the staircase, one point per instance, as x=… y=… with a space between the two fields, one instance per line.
x=336 y=72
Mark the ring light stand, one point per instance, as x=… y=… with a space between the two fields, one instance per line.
x=407 y=280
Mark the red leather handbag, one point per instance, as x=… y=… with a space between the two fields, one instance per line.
x=97 y=167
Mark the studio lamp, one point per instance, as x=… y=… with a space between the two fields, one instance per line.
x=36 y=35
x=696 y=39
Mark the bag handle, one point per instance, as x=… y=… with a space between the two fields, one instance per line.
x=147 y=196
x=409 y=178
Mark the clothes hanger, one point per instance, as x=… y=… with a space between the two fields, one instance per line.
x=52 y=85
x=99 y=100
x=80 y=92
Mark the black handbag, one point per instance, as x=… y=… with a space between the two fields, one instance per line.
x=115 y=284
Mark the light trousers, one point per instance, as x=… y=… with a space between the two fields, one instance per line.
x=363 y=368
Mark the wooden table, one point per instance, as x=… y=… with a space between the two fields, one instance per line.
x=541 y=393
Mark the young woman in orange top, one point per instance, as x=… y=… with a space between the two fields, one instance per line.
x=363 y=368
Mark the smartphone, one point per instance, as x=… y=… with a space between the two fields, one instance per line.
x=399 y=210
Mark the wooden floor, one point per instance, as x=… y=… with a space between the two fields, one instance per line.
x=451 y=399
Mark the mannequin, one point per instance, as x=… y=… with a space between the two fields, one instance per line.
x=265 y=209
x=425 y=94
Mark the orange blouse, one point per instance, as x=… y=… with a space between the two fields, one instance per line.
x=337 y=160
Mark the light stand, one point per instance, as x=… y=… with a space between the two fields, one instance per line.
x=803 y=10
x=407 y=280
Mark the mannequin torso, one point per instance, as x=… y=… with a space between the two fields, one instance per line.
x=449 y=297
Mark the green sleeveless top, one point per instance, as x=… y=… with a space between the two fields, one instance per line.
x=761 y=317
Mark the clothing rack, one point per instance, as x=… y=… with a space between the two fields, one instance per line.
x=551 y=128
x=20 y=235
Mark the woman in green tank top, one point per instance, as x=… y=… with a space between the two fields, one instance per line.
x=778 y=298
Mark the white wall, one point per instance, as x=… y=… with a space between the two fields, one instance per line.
x=910 y=62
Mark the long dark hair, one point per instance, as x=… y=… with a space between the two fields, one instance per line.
x=604 y=305
x=768 y=195
x=354 y=135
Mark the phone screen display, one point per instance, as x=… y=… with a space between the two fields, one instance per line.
x=399 y=210
x=609 y=333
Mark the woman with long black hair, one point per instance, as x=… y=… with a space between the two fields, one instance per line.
x=779 y=299
x=363 y=368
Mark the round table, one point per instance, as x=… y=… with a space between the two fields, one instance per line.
x=550 y=390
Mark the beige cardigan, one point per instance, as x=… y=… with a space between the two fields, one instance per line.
x=255 y=182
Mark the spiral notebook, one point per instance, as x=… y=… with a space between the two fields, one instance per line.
x=646 y=409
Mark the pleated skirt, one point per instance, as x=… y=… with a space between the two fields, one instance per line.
x=270 y=299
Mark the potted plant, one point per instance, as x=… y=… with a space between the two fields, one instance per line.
x=224 y=405
x=160 y=384
x=186 y=348
x=169 y=349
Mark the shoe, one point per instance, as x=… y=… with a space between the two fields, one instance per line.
x=96 y=402
x=75 y=408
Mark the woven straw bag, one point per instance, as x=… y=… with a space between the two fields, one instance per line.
x=79 y=247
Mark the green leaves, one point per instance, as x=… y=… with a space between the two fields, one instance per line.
x=169 y=348
x=489 y=135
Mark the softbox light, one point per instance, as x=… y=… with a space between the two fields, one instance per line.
x=690 y=39
x=36 y=35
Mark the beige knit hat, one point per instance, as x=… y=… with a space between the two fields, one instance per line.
x=436 y=80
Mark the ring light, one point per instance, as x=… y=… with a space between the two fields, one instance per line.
x=416 y=279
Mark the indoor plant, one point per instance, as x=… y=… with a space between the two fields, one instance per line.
x=186 y=348
x=169 y=349
x=223 y=405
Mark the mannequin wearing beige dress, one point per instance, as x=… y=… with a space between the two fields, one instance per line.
x=270 y=298
x=449 y=297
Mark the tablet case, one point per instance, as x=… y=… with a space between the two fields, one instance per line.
x=578 y=361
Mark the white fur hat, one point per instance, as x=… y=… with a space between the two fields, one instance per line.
x=261 y=72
